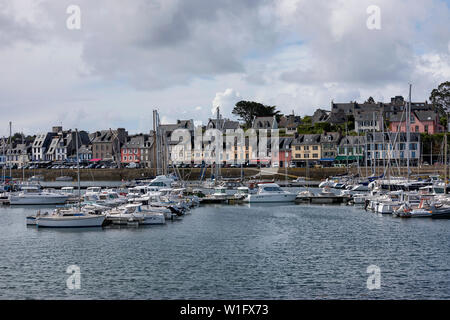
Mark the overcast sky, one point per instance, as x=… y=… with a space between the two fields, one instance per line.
x=184 y=57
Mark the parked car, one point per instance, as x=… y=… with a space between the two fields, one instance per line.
x=132 y=165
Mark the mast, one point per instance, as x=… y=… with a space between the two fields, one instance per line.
x=78 y=168
x=445 y=161
x=218 y=147
x=23 y=164
x=408 y=124
x=10 y=147
x=346 y=136
x=374 y=159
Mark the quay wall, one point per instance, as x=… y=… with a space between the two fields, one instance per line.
x=194 y=173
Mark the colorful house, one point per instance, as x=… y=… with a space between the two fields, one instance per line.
x=421 y=122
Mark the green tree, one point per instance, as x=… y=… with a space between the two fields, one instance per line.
x=248 y=110
x=440 y=97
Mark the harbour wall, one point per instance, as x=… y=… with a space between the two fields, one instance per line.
x=194 y=173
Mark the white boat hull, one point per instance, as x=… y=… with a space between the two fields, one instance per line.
x=71 y=221
x=283 y=197
x=36 y=200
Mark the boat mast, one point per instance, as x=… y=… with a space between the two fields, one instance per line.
x=23 y=164
x=10 y=148
x=374 y=159
x=408 y=124
x=445 y=161
x=78 y=168
x=219 y=148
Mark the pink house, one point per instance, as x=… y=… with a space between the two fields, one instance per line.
x=421 y=121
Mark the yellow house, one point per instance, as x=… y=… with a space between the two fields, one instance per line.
x=306 y=148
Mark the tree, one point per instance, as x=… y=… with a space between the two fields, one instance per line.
x=248 y=110
x=440 y=97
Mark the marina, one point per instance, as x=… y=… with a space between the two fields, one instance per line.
x=205 y=239
x=267 y=251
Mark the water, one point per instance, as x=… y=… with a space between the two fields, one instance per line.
x=231 y=252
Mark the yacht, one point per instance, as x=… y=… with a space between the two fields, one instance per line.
x=220 y=193
x=33 y=195
x=162 y=181
x=270 y=192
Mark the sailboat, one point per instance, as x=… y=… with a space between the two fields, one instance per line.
x=70 y=217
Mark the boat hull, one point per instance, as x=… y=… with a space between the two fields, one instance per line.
x=70 y=222
x=27 y=200
x=284 y=197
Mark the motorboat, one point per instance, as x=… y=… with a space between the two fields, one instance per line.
x=68 y=218
x=33 y=195
x=327 y=183
x=220 y=193
x=241 y=193
x=270 y=192
x=323 y=197
x=162 y=181
x=134 y=212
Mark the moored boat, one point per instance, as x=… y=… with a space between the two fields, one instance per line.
x=270 y=192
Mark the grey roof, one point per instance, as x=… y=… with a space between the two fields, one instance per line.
x=320 y=115
x=424 y=115
x=335 y=137
x=139 y=141
x=223 y=124
x=305 y=139
x=285 y=143
x=264 y=123
x=352 y=140
x=104 y=136
x=290 y=121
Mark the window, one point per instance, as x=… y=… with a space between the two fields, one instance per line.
x=306 y=148
x=417 y=128
x=426 y=128
x=315 y=147
x=306 y=155
x=315 y=155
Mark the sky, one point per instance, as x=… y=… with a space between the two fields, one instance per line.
x=186 y=57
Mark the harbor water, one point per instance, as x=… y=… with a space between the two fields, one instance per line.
x=231 y=252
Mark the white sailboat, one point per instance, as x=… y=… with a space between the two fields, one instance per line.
x=71 y=217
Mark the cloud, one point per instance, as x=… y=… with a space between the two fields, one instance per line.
x=226 y=101
x=175 y=56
